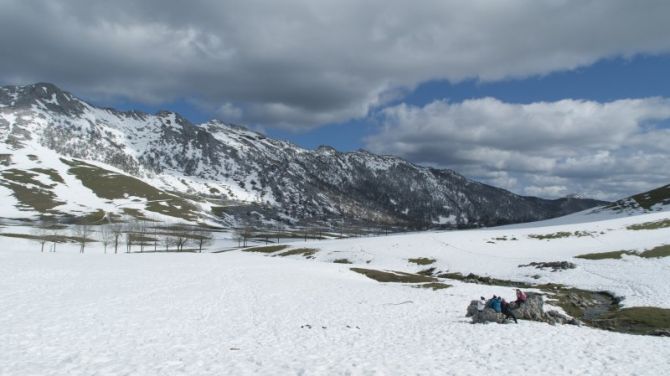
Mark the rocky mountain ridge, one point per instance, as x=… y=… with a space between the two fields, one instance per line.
x=228 y=174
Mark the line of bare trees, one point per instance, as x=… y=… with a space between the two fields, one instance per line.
x=133 y=236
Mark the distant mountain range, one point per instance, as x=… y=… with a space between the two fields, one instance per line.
x=61 y=156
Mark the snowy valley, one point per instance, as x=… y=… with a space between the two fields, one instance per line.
x=143 y=244
x=302 y=308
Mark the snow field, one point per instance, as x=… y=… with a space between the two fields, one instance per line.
x=640 y=281
x=238 y=313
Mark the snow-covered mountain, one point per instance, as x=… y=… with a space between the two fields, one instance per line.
x=61 y=155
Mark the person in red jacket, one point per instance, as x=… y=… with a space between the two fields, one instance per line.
x=520 y=297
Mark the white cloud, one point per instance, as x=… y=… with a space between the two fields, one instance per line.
x=303 y=63
x=543 y=148
x=229 y=111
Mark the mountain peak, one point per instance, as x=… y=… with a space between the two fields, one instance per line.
x=42 y=94
x=326 y=149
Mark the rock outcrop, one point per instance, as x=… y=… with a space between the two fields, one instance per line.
x=532 y=309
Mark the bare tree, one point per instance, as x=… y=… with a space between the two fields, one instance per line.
x=141 y=230
x=130 y=229
x=278 y=232
x=181 y=237
x=238 y=237
x=54 y=236
x=40 y=235
x=128 y=237
x=167 y=241
x=106 y=236
x=83 y=233
x=203 y=238
x=116 y=230
x=247 y=233
x=155 y=233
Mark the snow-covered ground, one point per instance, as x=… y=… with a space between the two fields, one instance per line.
x=237 y=313
x=640 y=281
x=233 y=314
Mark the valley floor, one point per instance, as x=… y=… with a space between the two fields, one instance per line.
x=242 y=313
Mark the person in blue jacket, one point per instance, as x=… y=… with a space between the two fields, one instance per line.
x=496 y=304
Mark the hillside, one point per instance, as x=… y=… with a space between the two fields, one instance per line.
x=162 y=165
x=654 y=200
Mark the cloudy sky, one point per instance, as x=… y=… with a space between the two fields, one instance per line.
x=544 y=98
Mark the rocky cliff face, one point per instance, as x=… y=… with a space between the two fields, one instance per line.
x=255 y=178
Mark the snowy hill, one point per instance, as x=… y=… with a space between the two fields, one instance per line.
x=652 y=201
x=61 y=155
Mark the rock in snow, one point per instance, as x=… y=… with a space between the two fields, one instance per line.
x=531 y=309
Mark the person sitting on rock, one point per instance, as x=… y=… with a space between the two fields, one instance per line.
x=481 y=304
x=520 y=297
x=496 y=304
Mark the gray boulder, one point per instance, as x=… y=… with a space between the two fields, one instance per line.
x=487 y=315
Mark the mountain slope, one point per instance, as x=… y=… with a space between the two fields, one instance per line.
x=654 y=200
x=230 y=174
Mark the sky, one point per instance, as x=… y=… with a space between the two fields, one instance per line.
x=544 y=98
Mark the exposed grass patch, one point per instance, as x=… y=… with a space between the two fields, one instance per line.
x=138 y=214
x=393 y=276
x=504 y=238
x=434 y=286
x=218 y=211
x=5 y=159
x=342 y=261
x=23 y=177
x=110 y=185
x=473 y=278
x=555 y=235
x=650 y=225
x=648 y=199
x=49 y=238
x=637 y=320
x=428 y=272
x=553 y=265
x=660 y=251
x=51 y=173
x=421 y=260
x=605 y=255
x=305 y=252
x=31 y=193
x=559 y=235
x=267 y=249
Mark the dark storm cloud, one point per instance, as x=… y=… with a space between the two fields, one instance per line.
x=301 y=64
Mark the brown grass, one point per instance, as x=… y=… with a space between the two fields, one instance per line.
x=393 y=276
